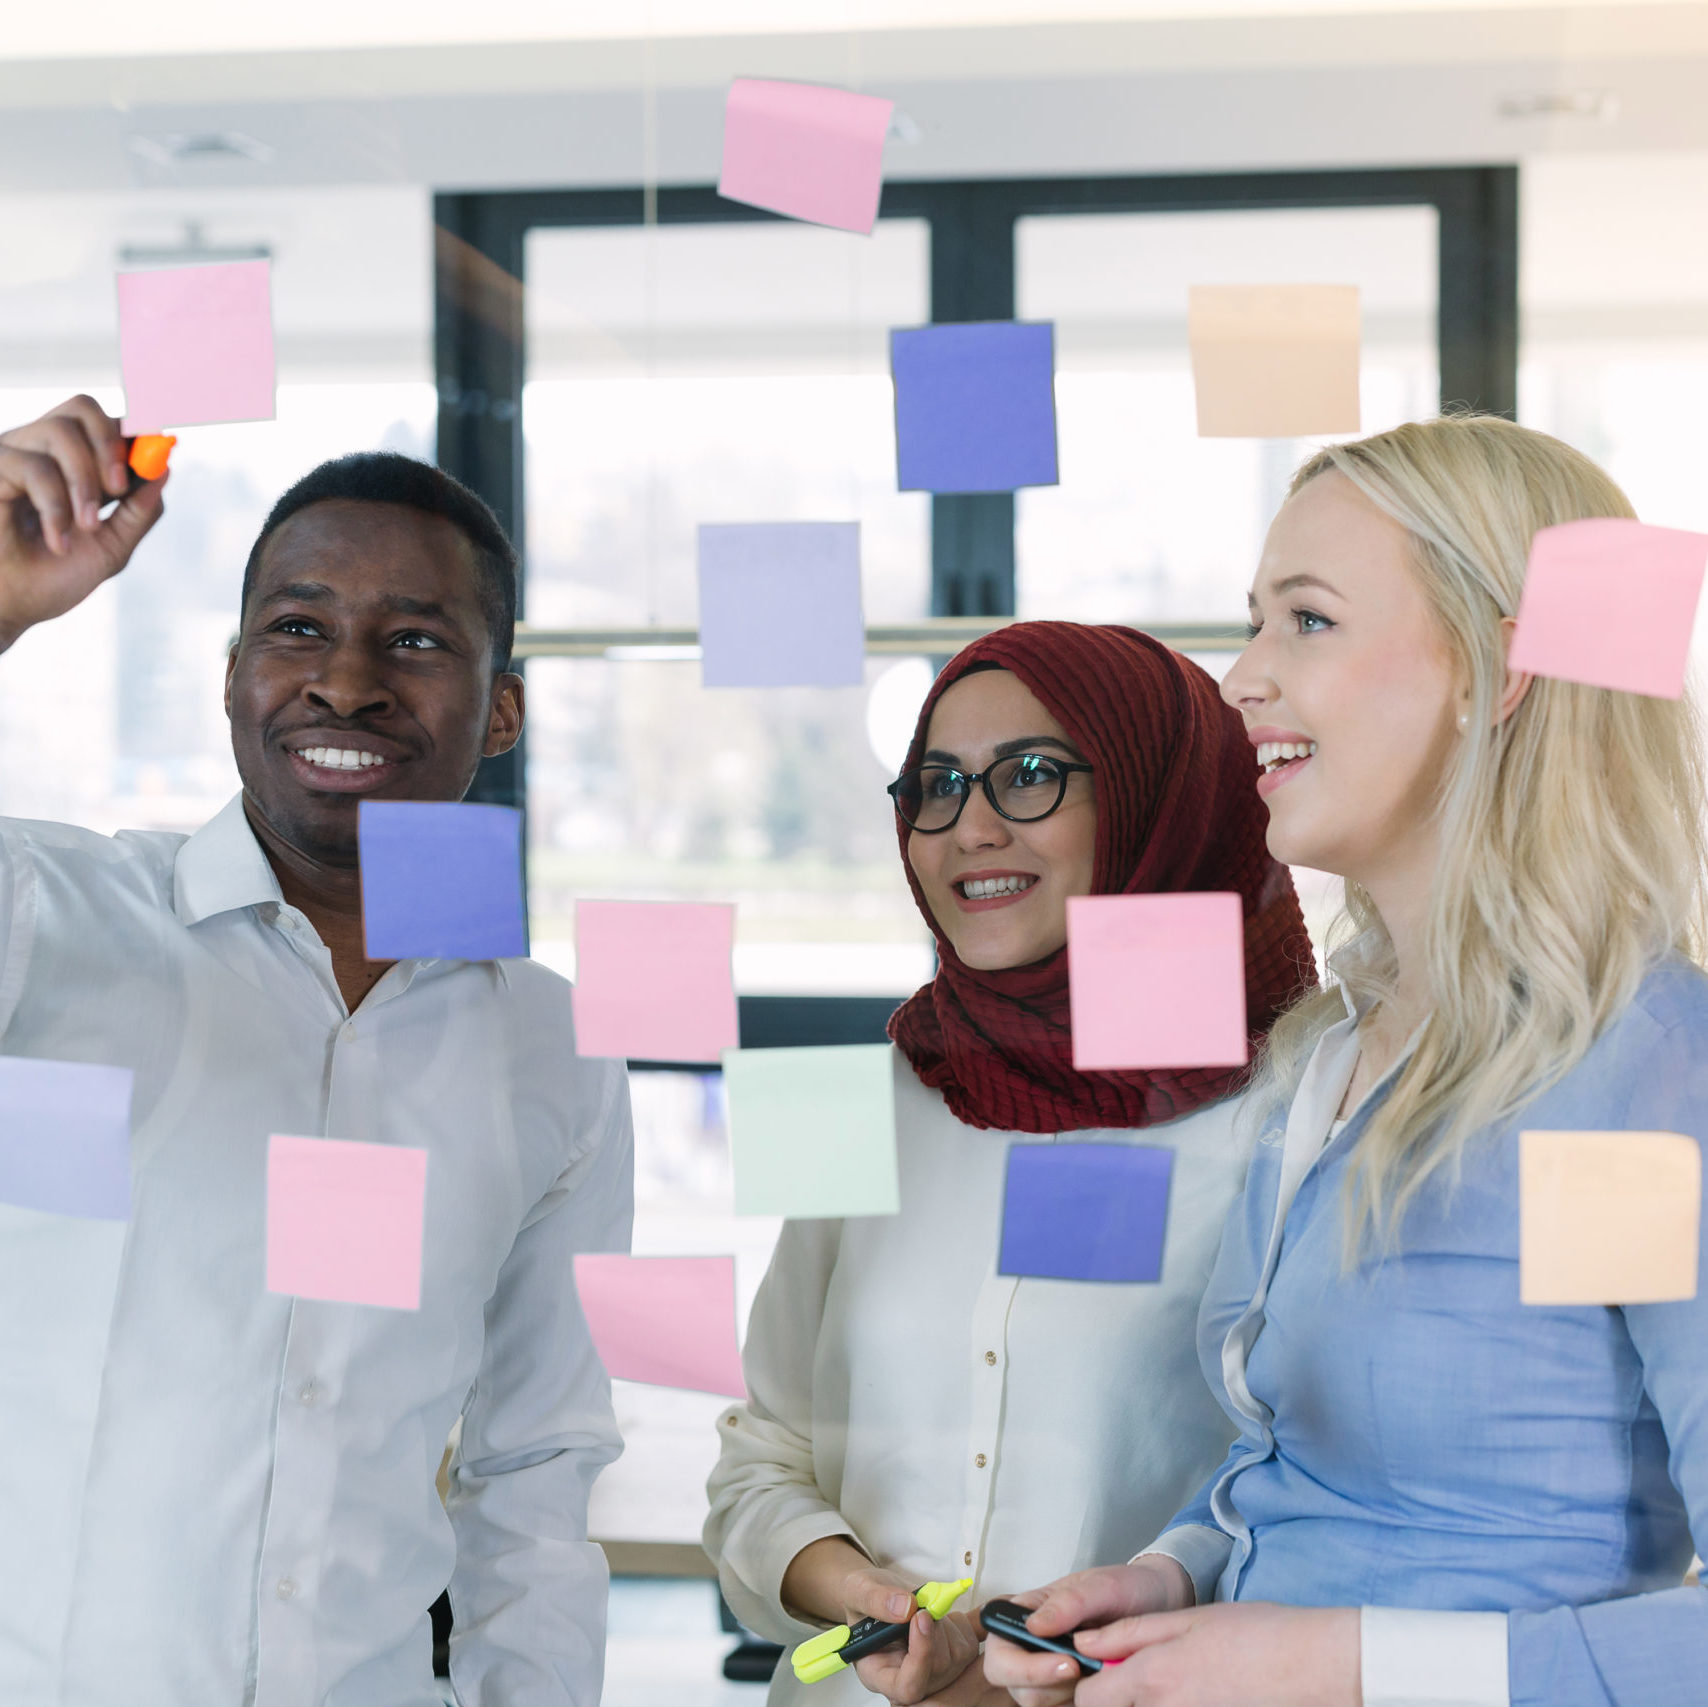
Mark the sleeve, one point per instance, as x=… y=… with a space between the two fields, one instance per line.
x=1201 y=1550
x=1644 y=1648
x=529 y=1591
x=766 y=1503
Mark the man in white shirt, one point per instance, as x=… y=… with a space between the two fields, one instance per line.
x=212 y=1494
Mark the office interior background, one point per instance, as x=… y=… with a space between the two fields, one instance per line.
x=496 y=241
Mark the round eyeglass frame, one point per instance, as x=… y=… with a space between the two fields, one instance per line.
x=1065 y=767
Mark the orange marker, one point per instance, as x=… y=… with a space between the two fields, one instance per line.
x=149 y=453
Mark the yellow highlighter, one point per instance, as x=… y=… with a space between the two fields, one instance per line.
x=824 y=1656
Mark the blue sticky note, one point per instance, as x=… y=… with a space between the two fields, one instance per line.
x=1085 y=1211
x=975 y=406
x=780 y=605
x=441 y=880
x=65 y=1137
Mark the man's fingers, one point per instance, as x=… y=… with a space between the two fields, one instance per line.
x=63 y=439
x=36 y=479
x=112 y=451
x=134 y=515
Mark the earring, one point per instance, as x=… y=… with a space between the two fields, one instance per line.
x=1464 y=721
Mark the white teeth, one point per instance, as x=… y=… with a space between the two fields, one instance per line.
x=1272 y=753
x=983 y=888
x=339 y=758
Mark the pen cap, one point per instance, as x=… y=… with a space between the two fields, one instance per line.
x=937 y=1598
x=815 y=1660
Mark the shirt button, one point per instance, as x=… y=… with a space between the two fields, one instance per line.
x=966 y=1558
x=979 y=1461
x=349 y=1029
x=287 y=1589
x=990 y=1358
x=308 y=1392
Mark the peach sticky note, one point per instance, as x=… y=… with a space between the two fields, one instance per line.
x=1156 y=980
x=196 y=345
x=669 y=1321
x=1610 y=602
x=1274 y=361
x=805 y=150
x=653 y=980
x=1608 y=1217
x=345 y=1221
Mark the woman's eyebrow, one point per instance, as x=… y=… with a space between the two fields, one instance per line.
x=1002 y=750
x=1028 y=742
x=1291 y=583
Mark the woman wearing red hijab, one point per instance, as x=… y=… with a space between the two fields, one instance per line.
x=912 y=1413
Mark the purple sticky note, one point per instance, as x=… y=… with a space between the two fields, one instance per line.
x=805 y=150
x=780 y=605
x=1085 y=1211
x=653 y=980
x=1156 y=980
x=196 y=345
x=65 y=1137
x=669 y=1321
x=1610 y=602
x=345 y=1221
x=441 y=880
x=975 y=406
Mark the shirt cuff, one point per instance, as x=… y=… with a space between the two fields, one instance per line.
x=1433 y=1659
x=1200 y=1551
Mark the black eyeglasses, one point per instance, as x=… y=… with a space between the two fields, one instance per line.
x=1023 y=788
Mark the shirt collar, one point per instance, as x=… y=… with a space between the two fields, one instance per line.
x=221 y=868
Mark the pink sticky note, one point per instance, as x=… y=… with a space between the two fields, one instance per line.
x=805 y=150
x=669 y=1321
x=345 y=1220
x=196 y=345
x=1610 y=603
x=653 y=980
x=1156 y=981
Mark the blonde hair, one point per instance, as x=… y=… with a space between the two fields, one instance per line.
x=1572 y=852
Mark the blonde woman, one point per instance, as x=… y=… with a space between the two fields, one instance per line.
x=1459 y=1498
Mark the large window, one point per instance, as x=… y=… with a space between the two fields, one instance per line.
x=715 y=373
x=1152 y=524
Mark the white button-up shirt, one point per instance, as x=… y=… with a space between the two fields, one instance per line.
x=211 y=1495
x=955 y=1421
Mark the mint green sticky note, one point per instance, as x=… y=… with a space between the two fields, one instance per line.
x=812 y=1132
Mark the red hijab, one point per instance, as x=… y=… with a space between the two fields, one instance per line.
x=1177 y=809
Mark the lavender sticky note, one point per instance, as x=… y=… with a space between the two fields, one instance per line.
x=65 y=1137
x=1085 y=1211
x=345 y=1221
x=804 y=150
x=668 y=1321
x=653 y=980
x=1156 y=981
x=975 y=406
x=780 y=605
x=1610 y=602
x=441 y=880
x=196 y=345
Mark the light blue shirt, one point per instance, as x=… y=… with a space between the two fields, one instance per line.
x=1413 y=1436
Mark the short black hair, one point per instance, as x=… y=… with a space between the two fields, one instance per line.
x=387 y=477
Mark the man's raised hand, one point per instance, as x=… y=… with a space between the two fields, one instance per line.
x=56 y=473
